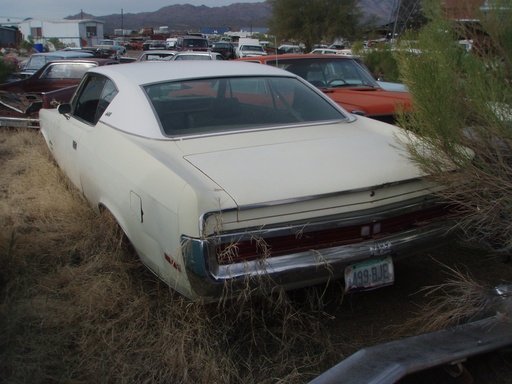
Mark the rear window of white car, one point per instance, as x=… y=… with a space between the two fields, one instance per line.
x=229 y=104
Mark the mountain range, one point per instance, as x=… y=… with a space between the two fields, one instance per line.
x=185 y=17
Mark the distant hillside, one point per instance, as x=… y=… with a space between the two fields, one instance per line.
x=186 y=17
x=382 y=9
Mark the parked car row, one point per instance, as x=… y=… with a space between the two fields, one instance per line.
x=232 y=176
x=345 y=79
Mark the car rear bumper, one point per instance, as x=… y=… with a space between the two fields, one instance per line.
x=212 y=281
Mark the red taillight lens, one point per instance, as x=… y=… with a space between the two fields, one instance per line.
x=258 y=247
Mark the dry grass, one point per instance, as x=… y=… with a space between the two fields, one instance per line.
x=78 y=306
x=458 y=300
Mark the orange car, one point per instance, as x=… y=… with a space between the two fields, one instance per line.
x=344 y=80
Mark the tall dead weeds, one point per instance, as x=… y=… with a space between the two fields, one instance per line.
x=78 y=306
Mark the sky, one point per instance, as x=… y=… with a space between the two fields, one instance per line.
x=58 y=9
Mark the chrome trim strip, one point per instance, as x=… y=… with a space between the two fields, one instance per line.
x=205 y=216
x=19 y=122
x=253 y=129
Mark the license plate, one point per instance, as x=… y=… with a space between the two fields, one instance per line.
x=369 y=274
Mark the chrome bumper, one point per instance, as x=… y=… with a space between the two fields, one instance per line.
x=210 y=280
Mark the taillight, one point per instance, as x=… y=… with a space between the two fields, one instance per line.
x=258 y=247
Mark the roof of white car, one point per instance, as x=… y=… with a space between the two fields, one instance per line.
x=141 y=73
x=130 y=79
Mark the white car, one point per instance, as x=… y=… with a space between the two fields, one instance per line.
x=171 y=42
x=227 y=176
x=249 y=50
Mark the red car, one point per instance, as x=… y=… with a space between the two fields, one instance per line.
x=55 y=82
x=344 y=80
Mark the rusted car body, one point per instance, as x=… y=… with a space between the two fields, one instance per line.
x=54 y=83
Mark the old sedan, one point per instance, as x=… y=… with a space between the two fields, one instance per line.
x=55 y=82
x=228 y=176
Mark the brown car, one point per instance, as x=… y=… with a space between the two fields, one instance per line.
x=55 y=82
x=344 y=80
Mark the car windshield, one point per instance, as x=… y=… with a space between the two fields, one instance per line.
x=328 y=72
x=232 y=104
x=195 y=43
x=251 y=48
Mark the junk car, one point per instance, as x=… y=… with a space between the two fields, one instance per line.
x=55 y=82
x=226 y=176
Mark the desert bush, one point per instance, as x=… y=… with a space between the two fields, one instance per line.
x=27 y=45
x=7 y=68
x=56 y=43
x=462 y=111
x=382 y=63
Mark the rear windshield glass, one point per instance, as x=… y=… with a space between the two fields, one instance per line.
x=229 y=104
x=195 y=43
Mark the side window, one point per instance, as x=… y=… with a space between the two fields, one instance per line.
x=95 y=96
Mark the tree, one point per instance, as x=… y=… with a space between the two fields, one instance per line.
x=312 y=21
x=56 y=43
x=408 y=14
x=462 y=111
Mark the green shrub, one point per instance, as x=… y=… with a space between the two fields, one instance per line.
x=462 y=100
x=7 y=68
x=358 y=48
x=382 y=63
x=26 y=44
x=56 y=43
